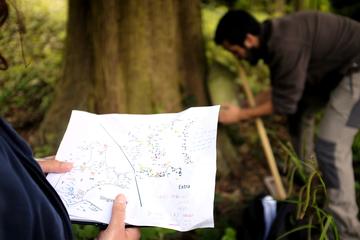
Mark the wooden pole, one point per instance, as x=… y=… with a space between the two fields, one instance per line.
x=281 y=195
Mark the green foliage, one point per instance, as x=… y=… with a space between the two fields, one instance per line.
x=294 y=166
x=210 y=17
x=34 y=58
x=154 y=233
x=356 y=163
x=85 y=232
x=310 y=199
x=356 y=148
x=230 y=234
x=321 y=5
x=208 y=234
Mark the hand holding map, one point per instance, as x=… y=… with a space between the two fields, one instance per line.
x=165 y=165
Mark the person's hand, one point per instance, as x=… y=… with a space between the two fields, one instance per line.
x=51 y=165
x=116 y=229
x=229 y=114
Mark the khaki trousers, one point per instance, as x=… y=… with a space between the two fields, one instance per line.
x=335 y=136
x=333 y=150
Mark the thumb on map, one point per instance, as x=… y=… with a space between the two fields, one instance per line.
x=118 y=213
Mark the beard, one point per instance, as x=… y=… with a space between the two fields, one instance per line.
x=253 y=55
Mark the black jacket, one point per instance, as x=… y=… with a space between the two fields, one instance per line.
x=29 y=207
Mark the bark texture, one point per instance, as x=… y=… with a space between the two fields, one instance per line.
x=129 y=56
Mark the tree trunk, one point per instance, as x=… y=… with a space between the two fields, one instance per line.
x=299 y=5
x=192 y=57
x=133 y=56
x=76 y=88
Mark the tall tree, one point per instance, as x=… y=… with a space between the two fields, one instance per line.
x=133 y=56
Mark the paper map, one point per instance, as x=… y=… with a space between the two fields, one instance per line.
x=165 y=164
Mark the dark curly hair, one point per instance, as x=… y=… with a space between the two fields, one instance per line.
x=234 y=26
x=4 y=13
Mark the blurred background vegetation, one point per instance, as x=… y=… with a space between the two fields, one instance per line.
x=36 y=65
x=35 y=59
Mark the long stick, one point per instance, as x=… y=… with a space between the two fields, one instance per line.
x=281 y=195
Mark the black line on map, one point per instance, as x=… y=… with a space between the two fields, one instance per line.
x=123 y=152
